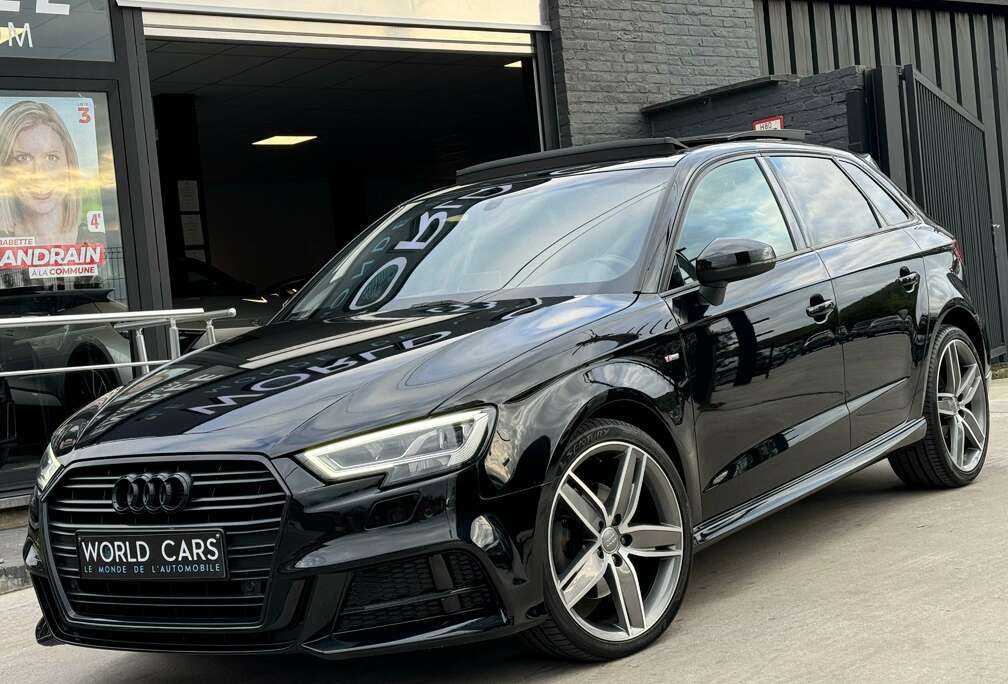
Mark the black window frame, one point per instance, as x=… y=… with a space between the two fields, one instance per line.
x=696 y=176
x=842 y=162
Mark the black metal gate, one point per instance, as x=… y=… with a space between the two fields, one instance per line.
x=939 y=153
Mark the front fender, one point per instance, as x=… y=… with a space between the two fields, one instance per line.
x=532 y=433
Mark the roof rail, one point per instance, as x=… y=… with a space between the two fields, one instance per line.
x=621 y=150
x=791 y=134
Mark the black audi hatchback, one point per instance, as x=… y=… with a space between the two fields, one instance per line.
x=521 y=404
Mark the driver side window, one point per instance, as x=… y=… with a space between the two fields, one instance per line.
x=733 y=200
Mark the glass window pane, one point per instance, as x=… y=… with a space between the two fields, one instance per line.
x=580 y=234
x=733 y=200
x=891 y=211
x=60 y=253
x=830 y=205
x=58 y=29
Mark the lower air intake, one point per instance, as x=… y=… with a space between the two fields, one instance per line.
x=449 y=586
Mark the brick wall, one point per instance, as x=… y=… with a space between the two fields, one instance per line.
x=815 y=103
x=613 y=57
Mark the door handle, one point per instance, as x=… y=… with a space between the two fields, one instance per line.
x=908 y=279
x=820 y=309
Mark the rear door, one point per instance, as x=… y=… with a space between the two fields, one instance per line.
x=877 y=271
x=765 y=369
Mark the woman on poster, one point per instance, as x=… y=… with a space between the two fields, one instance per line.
x=40 y=178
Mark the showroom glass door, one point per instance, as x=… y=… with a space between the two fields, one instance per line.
x=61 y=253
x=79 y=212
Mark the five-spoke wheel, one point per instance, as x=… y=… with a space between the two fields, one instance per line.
x=953 y=449
x=963 y=414
x=616 y=540
x=618 y=544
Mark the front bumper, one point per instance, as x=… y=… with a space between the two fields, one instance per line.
x=356 y=570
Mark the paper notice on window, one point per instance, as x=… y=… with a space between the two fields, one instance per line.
x=188 y=195
x=192 y=230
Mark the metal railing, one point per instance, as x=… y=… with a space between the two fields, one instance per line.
x=134 y=322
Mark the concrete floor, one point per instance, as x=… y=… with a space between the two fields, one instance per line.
x=866 y=581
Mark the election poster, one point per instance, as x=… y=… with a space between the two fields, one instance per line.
x=52 y=189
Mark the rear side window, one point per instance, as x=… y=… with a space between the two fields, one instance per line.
x=733 y=200
x=830 y=205
x=891 y=211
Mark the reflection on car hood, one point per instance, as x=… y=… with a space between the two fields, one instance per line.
x=293 y=384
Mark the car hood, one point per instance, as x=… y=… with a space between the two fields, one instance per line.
x=294 y=384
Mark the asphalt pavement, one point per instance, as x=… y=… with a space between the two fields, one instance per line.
x=865 y=581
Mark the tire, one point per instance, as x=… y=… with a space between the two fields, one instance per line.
x=647 y=548
x=82 y=387
x=930 y=463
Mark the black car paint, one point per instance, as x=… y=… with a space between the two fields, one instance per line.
x=681 y=368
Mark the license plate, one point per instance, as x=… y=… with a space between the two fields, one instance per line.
x=193 y=554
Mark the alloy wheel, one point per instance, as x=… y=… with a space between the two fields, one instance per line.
x=962 y=406
x=616 y=541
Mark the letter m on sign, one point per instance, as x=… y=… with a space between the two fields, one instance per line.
x=21 y=35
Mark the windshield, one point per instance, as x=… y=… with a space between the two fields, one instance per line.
x=576 y=234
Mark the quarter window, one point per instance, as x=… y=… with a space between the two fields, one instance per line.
x=883 y=201
x=830 y=205
x=733 y=200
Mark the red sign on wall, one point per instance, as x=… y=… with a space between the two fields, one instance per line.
x=771 y=123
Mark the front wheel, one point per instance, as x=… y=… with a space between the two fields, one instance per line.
x=619 y=545
x=956 y=409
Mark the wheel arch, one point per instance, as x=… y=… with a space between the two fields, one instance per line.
x=638 y=409
x=958 y=315
x=78 y=357
x=86 y=348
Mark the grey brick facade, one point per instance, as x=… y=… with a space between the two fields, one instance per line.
x=613 y=57
x=817 y=103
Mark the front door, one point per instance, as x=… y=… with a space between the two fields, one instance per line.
x=765 y=368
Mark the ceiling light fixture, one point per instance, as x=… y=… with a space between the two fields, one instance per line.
x=285 y=140
x=514 y=65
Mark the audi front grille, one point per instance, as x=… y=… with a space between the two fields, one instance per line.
x=239 y=495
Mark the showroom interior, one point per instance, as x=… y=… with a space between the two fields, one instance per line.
x=370 y=128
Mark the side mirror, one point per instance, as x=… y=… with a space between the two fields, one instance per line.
x=726 y=260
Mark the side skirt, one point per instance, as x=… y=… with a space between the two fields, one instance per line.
x=865 y=455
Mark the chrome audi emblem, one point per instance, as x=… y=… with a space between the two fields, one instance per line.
x=151 y=493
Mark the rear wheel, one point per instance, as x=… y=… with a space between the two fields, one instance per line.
x=956 y=409
x=619 y=545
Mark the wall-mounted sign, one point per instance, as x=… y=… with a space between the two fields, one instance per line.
x=56 y=29
x=771 y=123
x=530 y=15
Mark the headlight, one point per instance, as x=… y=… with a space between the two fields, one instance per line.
x=405 y=452
x=64 y=437
x=49 y=466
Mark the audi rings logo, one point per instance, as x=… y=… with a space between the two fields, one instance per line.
x=151 y=493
